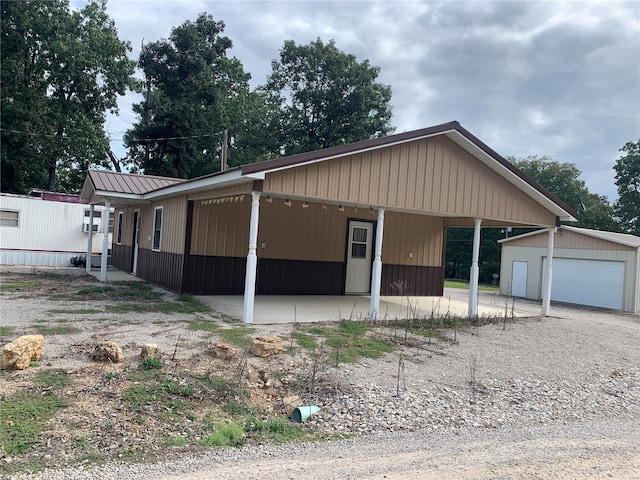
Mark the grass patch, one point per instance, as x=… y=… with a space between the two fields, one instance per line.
x=276 y=429
x=75 y=311
x=465 y=285
x=16 y=286
x=6 y=330
x=205 y=326
x=55 y=329
x=55 y=379
x=183 y=304
x=304 y=340
x=238 y=336
x=95 y=289
x=225 y=435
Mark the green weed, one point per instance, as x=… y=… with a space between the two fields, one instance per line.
x=75 y=311
x=225 y=435
x=55 y=329
x=17 y=286
x=238 y=336
x=95 y=289
x=6 y=330
x=55 y=379
x=151 y=363
x=275 y=429
x=304 y=340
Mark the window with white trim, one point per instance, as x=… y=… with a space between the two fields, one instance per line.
x=9 y=218
x=157 y=229
x=120 y=227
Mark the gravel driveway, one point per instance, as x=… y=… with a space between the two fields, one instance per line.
x=556 y=397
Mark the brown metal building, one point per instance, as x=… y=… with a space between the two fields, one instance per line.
x=319 y=218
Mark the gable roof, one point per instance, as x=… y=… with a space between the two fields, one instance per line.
x=127 y=183
x=621 y=238
x=107 y=184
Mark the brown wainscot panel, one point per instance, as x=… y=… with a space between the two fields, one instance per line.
x=161 y=268
x=208 y=275
x=417 y=281
x=121 y=257
x=299 y=277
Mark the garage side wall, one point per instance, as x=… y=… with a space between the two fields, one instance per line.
x=534 y=256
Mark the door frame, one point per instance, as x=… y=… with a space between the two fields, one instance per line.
x=373 y=224
x=135 y=241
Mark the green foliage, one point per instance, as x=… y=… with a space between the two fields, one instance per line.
x=54 y=378
x=304 y=340
x=238 y=336
x=16 y=286
x=225 y=435
x=465 y=285
x=6 y=330
x=62 y=70
x=95 y=290
x=627 y=207
x=192 y=91
x=151 y=363
x=276 y=429
x=76 y=311
x=326 y=97
x=55 y=329
x=23 y=417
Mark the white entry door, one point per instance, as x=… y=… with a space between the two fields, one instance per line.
x=519 y=279
x=136 y=241
x=359 y=257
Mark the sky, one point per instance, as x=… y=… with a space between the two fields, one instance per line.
x=545 y=78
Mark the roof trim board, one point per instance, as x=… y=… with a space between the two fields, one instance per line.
x=621 y=238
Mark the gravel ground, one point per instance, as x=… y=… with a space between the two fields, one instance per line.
x=557 y=397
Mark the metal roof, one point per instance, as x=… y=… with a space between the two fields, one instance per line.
x=129 y=182
x=621 y=238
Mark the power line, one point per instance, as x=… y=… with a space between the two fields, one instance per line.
x=111 y=139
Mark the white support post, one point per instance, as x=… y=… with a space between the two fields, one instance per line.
x=376 y=276
x=89 y=240
x=252 y=260
x=546 y=296
x=105 y=240
x=475 y=270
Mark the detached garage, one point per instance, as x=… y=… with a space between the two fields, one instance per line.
x=589 y=267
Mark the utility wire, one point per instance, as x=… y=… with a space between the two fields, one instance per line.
x=140 y=140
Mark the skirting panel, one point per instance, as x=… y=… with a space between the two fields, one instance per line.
x=400 y=280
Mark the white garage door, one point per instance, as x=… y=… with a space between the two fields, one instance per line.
x=596 y=283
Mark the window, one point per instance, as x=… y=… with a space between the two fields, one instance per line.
x=157 y=229
x=359 y=243
x=120 y=227
x=9 y=218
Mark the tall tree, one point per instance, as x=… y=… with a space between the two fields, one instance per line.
x=61 y=72
x=327 y=97
x=563 y=180
x=191 y=92
x=627 y=207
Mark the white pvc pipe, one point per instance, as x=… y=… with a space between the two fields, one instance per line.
x=252 y=260
x=474 y=274
x=89 y=240
x=376 y=276
x=105 y=240
x=546 y=296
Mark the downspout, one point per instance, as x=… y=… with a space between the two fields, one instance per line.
x=636 y=309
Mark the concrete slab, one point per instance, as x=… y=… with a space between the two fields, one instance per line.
x=115 y=275
x=275 y=309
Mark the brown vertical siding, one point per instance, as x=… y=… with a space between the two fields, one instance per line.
x=121 y=257
x=432 y=175
x=419 y=235
x=221 y=229
x=174 y=212
x=401 y=280
x=161 y=268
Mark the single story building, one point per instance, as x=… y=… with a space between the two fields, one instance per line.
x=590 y=267
x=314 y=223
x=46 y=229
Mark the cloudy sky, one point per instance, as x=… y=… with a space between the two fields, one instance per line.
x=560 y=79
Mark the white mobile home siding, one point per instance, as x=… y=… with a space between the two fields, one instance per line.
x=49 y=233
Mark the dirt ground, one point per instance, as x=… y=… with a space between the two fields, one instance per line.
x=589 y=448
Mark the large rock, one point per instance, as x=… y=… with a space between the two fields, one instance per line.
x=290 y=403
x=150 y=350
x=19 y=354
x=266 y=346
x=222 y=350
x=108 y=352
